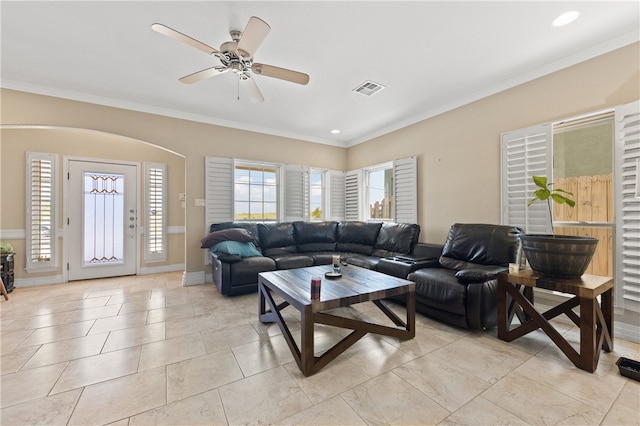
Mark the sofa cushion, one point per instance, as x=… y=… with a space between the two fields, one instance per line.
x=231 y=234
x=315 y=236
x=396 y=238
x=367 y=262
x=246 y=270
x=236 y=247
x=291 y=261
x=324 y=257
x=250 y=227
x=357 y=237
x=277 y=238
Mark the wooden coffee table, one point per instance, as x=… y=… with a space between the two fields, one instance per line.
x=355 y=286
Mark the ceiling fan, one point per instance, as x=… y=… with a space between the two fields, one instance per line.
x=236 y=56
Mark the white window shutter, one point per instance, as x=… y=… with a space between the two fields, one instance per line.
x=525 y=153
x=155 y=181
x=218 y=190
x=296 y=193
x=336 y=187
x=41 y=208
x=405 y=184
x=352 y=191
x=627 y=205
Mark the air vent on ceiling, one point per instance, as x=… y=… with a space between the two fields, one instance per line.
x=369 y=88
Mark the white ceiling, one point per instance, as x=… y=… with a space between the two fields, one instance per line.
x=431 y=56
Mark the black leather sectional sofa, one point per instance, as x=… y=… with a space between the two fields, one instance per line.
x=473 y=252
x=288 y=245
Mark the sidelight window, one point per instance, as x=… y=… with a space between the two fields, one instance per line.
x=41 y=232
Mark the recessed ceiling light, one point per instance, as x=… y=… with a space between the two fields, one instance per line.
x=566 y=18
x=335 y=131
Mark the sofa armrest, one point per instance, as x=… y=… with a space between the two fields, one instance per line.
x=427 y=250
x=402 y=266
x=479 y=274
x=224 y=257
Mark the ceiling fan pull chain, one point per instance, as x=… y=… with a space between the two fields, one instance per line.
x=238 y=89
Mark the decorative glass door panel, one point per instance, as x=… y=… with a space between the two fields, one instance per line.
x=103 y=218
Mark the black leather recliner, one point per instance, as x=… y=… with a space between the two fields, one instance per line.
x=461 y=289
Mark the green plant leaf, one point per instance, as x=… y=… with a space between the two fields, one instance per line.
x=559 y=198
x=540 y=181
x=545 y=192
x=542 y=194
x=563 y=191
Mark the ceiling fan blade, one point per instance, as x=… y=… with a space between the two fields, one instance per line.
x=177 y=35
x=252 y=89
x=254 y=34
x=281 y=73
x=201 y=75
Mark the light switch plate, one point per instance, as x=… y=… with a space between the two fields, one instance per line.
x=200 y=202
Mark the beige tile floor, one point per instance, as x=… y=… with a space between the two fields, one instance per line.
x=145 y=350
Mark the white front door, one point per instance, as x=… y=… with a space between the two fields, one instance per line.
x=102 y=219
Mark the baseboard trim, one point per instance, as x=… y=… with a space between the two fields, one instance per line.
x=193 y=278
x=148 y=270
x=38 y=281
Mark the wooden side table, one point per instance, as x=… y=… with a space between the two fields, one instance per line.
x=515 y=297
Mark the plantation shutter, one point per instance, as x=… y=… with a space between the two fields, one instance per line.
x=352 y=186
x=41 y=235
x=296 y=193
x=218 y=190
x=405 y=183
x=525 y=153
x=155 y=212
x=627 y=205
x=337 y=196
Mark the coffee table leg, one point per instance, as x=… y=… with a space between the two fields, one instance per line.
x=307 y=358
x=411 y=314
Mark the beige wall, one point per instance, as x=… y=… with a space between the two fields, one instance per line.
x=458 y=151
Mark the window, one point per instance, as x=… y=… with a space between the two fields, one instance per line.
x=583 y=165
x=155 y=212
x=581 y=150
x=385 y=192
x=316 y=195
x=41 y=211
x=576 y=156
x=251 y=191
x=379 y=192
x=255 y=192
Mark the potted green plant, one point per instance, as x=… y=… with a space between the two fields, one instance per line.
x=564 y=256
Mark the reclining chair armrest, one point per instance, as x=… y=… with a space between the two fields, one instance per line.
x=482 y=302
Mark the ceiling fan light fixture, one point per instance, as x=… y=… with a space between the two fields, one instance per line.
x=236 y=56
x=566 y=18
x=335 y=131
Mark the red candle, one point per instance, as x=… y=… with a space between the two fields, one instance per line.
x=315 y=288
